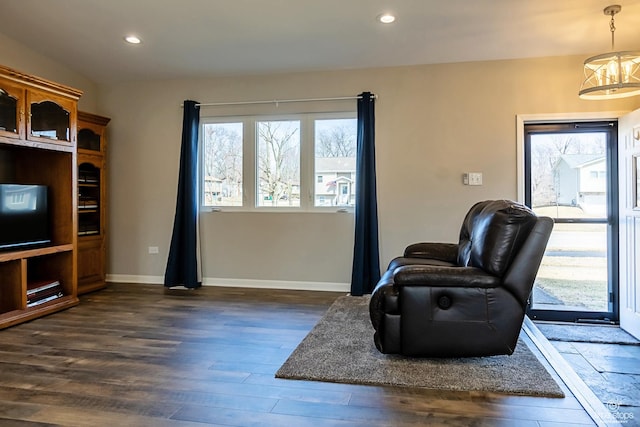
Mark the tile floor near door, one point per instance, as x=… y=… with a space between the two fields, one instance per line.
x=610 y=369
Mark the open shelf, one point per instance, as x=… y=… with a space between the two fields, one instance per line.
x=30 y=253
x=22 y=270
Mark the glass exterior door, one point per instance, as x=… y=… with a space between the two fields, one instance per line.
x=571 y=177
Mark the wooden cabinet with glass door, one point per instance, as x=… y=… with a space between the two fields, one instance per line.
x=37 y=113
x=38 y=241
x=92 y=208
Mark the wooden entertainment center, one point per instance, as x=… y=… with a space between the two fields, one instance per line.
x=38 y=146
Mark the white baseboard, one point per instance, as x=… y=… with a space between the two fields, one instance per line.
x=131 y=278
x=239 y=283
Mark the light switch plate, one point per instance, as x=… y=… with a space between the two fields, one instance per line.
x=472 y=178
x=475 y=178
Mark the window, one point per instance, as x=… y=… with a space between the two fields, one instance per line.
x=335 y=161
x=278 y=163
x=299 y=162
x=222 y=164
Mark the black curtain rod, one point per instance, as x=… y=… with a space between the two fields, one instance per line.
x=280 y=101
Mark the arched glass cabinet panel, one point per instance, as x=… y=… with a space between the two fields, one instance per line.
x=88 y=140
x=11 y=110
x=50 y=120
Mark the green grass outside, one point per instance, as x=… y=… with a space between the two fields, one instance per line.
x=576 y=281
x=579 y=282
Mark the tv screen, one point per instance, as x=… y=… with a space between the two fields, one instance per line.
x=24 y=216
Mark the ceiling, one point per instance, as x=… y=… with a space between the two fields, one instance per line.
x=204 y=38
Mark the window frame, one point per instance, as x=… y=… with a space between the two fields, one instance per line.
x=255 y=159
x=250 y=161
x=201 y=184
x=611 y=218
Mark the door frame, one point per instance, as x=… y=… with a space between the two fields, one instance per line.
x=629 y=147
x=521 y=120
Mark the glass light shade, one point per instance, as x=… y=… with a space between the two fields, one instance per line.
x=131 y=39
x=611 y=75
x=386 y=18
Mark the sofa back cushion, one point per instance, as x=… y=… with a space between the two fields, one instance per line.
x=492 y=233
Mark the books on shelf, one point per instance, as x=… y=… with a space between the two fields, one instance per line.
x=88 y=228
x=87 y=203
x=42 y=285
x=85 y=177
x=43 y=291
x=43 y=300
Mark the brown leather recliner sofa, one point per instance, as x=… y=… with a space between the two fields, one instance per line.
x=465 y=299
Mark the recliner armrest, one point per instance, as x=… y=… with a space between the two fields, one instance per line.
x=442 y=276
x=440 y=251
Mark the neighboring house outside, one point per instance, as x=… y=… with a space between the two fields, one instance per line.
x=212 y=190
x=581 y=180
x=334 y=184
x=335 y=180
x=216 y=190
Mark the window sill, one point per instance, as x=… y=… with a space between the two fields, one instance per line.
x=330 y=210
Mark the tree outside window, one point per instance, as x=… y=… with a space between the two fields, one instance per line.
x=222 y=164
x=278 y=163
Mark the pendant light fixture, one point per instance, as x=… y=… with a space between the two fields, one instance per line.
x=614 y=74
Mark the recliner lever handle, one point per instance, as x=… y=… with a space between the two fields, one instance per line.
x=444 y=302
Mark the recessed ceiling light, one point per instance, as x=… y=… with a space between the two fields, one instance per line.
x=133 y=39
x=386 y=18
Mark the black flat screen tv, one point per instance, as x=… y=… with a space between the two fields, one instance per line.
x=24 y=216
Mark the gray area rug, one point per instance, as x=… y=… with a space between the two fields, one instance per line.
x=586 y=333
x=340 y=349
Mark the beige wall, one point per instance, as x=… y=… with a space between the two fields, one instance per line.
x=21 y=58
x=433 y=123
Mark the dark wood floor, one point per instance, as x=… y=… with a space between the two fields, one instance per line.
x=131 y=355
